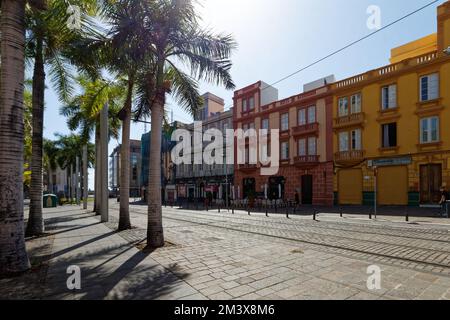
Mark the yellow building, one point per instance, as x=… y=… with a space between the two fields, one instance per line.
x=394 y=123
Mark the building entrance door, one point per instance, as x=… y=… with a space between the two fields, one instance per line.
x=430 y=183
x=307 y=189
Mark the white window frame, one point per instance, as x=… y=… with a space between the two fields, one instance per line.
x=343 y=107
x=312 y=146
x=312 y=114
x=426 y=125
x=355 y=102
x=301 y=117
x=389 y=97
x=285 y=150
x=431 y=92
x=284 y=122
x=355 y=139
x=302 y=148
x=344 y=142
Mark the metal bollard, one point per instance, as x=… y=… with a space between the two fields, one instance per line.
x=370 y=213
x=314 y=215
x=248 y=209
x=407 y=215
x=340 y=212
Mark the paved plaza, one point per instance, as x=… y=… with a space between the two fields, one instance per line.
x=212 y=255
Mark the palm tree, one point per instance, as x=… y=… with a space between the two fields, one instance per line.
x=13 y=256
x=69 y=148
x=123 y=53
x=48 y=37
x=83 y=112
x=173 y=35
x=51 y=154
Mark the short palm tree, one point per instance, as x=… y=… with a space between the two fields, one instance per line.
x=83 y=112
x=48 y=40
x=69 y=148
x=172 y=36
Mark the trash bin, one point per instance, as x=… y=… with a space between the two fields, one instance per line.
x=50 y=201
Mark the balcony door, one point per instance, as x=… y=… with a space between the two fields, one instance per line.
x=430 y=183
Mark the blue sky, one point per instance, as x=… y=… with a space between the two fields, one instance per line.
x=277 y=37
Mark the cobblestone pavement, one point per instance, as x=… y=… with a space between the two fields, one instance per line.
x=254 y=257
x=211 y=255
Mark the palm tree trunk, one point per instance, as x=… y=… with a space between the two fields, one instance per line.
x=13 y=256
x=85 y=177
x=124 y=216
x=155 y=234
x=97 y=172
x=35 y=224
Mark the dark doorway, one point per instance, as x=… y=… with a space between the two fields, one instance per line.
x=249 y=188
x=274 y=188
x=430 y=183
x=307 y=189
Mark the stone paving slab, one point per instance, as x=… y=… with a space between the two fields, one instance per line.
x=221 y=256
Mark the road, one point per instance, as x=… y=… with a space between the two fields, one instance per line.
x=279 y=258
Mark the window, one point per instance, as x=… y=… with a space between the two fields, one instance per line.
x=343 y=107
x=389 y=97
x=285 y=150
x=312 y=114
x=251 y=103
x=301 y=117
x=356 y=103
x=312 y=146
x=245 y=127
x=244 y=105
x=356 y=139
x=429 y=87
x=301 y=147
x=389 y=135
x=285 y=122
x=265 y=124
x=429 y=130
x=343 y=142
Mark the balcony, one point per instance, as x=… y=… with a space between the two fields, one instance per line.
x=306 y=161
x=307 y=129
x=248 y=167
x=353 y=156
x=354 y=119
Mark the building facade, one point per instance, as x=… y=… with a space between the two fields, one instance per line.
x=196 y=181
x=135 y=169
x=392 y=126
x=306 y=158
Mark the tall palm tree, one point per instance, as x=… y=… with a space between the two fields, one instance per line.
x=173 y=35
x=123 y=52
x=48 y=37
x=13 y=256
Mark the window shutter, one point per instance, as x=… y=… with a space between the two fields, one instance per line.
x=358 y=139
x=433 y=86
x=343 y=141
x=393 y=96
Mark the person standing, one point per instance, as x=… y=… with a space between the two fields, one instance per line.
x=443 y=202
